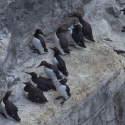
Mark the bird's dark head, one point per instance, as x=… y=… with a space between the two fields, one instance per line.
x=123 y=9
x=63 y=81
x=33 y=74
x=75 y=14
x=15 y=116
x=8 y=94
x=39 y=31
x=66 y=50
x=56 y=50
x=62 y=29
x=27 y=84
x=42 y=63
x=65 y=72
x=82 y=44
x=90 y=38
x=40 y=99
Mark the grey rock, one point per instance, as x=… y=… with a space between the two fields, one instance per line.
x=113 y=11
x=96 y=74
x=86 y=1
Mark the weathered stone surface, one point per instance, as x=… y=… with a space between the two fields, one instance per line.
x=19 y=20
x=86 y=1
x=96 y=74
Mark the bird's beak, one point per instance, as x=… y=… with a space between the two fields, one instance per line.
x=51 y=48
x=67 y=30
x=93 y=40
x=24 y=83
x=122 y=10
x=38 y=66
x=44 y=35
x=27 y=73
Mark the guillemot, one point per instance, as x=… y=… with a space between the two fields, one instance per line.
x=76 y=33
x=63 y=89
x=59 y=62
x=61 y=41
x=40 y=82
x=86 y=27
x=51 y=71
x=39 y=42
x=9 y=110
x=34 y=94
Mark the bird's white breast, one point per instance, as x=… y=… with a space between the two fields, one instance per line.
x=79 y=24
x=70 y=29
x=58 y=44
x=62 y=91
x=36 y=42
x=35 y=85
x=26 y=93
x=55 y=63
x=50 y=73
x=60 y=73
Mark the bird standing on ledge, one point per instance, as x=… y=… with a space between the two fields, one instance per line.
x=51 y=71
x=86 y=27
x=61 y=40
x=39 y=42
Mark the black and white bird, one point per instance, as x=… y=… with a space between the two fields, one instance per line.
x=40 y=82
x=59 y=62
x=63 y=89
x=51 y=71
x=39 y=42
x=77 y=35
x=8 y=109
x=86 y=27
x=34 y=94
x=61 y=40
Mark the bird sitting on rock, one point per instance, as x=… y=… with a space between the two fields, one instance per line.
x=76 y=33
x=59 y=62
x=86 y=27
x=8 y=109
x=34 y=94
x=61 y=41
x=51 y=71
x=39 y=42
x=40 y=82
x=63 y=89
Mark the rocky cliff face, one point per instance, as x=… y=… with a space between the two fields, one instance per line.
x=19 y=20
x=96 y=73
